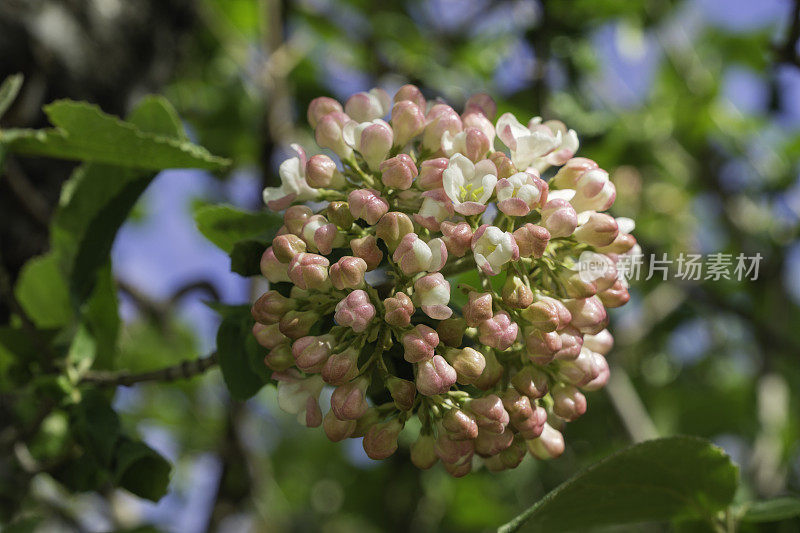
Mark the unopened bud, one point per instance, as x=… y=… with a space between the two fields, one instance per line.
x=436 y=208
x=366 y=106
x=280 y=358
x=601 y=342
x=542 y=346
x=478 y=308
x=559 y=218
x=596 y=229
x=457 y=237
x=603 y=373
x=531 y=240
x=309 y=271
x=398 y=172
x=568 y=402
x=271 y=268
x=516 y=293
x=287 y=246
x=269 y=336
x=348 y=272
x=408 y=121
x=337 y=430
x=399 y=309
x=492 y=373
x=432 y=293
x=296 y=324
x=321 y=172
x=368 y=205
x=441 y=118
x=311 y=352
x=490 y=415
x=459 y=425
x=423 y=454
x=505 y=168
x=415 y=255
x=341 y=367
x=615 y=296
x=329 y=134
x=339 y=214
x=392 y=227
x=403 y=392
x=372 y=140
x=568 y=175
x=547 y=314
x=549 y=445
x=270 y=307
x=367 y=249
x=348 y=401
x=355 y=311
x=527 y=418
x=419 y=343
x=296 y=217
x=488 y=444
x=381 y=439
x=499 y=332
x=412 y=94
x=588 y=314
x=531 y=382
x=434 y=376
x=482 y=103
x=430 y=173
x=451 y=331
x=319 y=107
x=453 y=452
x=468 y=363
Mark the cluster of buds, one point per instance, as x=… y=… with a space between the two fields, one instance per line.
x=441 y=279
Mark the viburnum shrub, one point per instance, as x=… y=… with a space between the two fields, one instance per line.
x=363 y=269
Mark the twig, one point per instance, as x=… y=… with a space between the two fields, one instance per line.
x=787 y=52
x=629 y=406
x=29 y=197
x=184 y=370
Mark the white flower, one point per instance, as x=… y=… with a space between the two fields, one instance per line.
x=529 y=144
x=520 y=193
x=299 y=396
x=415 y=255
x=493 y=248
x=564 y=151
x=469 y=185
x=432 y=294
x=293 y=183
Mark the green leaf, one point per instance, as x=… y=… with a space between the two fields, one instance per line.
x=659 y=480
x=239 y=358
x=96 y=426
x=225 y=225
x=83 y=132
x=9 y=91
x=771 y=510
x=43 y=293
x=141 y=470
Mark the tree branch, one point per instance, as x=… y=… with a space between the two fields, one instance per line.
x=184 y=370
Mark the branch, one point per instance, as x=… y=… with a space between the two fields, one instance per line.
x=787 y=52
x=184 y=370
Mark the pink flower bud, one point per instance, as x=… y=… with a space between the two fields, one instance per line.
x=488 y=444
x=320 y=235
x=299 y=396
x=339 y=214
x=527 y=418
x=493 y=248
x=434 y=376
x=423 y=455
x=435 y=209
x=296 y=217
x=489 y=412
x=348 y=401
x=622 y=244
x=408 y=121
x=355 y=311
x=296 y=324
x=596 y=229
x=309 y=271
x=399 y=309
x=369 y=419
x=482 y=103
x=531 y=240
x=615 y=296
x=491 y=374
x=415 y=255
x=547 y=314
x=468 y=363
x=531 y=382
x=367 y=249
x=542 y=346
x=568 y=402
x=398 y=172
x=329 y=134
x=559 y=217
x=392 y=227
x=310 y=353
x=580 y=370
x=594 y=192
x=457 y=237
x=287 y=246
x=568 y=175
x=459 y=425
x=403 y=392
x=601 y=342
x=571 y=343
x=516 y=293
x=520 y=193
x=451 y=331
x=588 y=315
x=321 y=171
x=372 y=140
x=505 y=168
x=478 y=308
x=453 y=452
x=603 y=373
x=471 y=142
x=366 y=106
x=441 y=118
x=271 y=268
x=481 y=123
x=367 y=204
x=348 y=272
x=419 y=343
x=268 y=336
x=341 y=367
x=280 y=358
x=319 y=107
x=337 y=430
x=412 y=94
x=577 y=285
x=432 y=293
x=270 y=307
x=549 y=445
x=381 y=439
x=430 y=173
x=499 y=331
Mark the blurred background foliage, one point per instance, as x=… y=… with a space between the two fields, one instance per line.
x=693 y=106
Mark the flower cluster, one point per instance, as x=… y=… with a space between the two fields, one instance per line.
x=438 y=278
